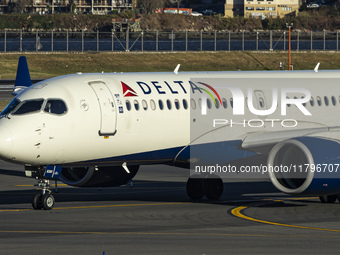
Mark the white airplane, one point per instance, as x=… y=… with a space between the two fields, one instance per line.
x=95 y=130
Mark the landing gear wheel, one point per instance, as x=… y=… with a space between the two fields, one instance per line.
x=328 y=199
x=195 y=188
x=47 y=201
x=37 y=202
x=213 y=188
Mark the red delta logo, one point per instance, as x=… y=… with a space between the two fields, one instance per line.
x=127 y=91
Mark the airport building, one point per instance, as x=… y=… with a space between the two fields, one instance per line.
x=78 y=6
x=103 y=6
x=234 y=8
x=262 y=8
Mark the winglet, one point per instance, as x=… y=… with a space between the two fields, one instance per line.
x=177 y=68
x=316 y=69
x=23 y=79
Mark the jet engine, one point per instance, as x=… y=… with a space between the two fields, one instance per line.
x=306 y=165
x=97 y=176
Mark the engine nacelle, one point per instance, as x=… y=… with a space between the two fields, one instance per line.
x=306 y=165
x=97 y=177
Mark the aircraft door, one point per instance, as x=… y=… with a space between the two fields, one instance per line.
x=107 y=107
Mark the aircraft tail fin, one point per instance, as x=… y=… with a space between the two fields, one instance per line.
x=23 y=78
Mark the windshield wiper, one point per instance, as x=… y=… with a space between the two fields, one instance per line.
x=5 y=116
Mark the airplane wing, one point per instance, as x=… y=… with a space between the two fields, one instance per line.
x=263 y=142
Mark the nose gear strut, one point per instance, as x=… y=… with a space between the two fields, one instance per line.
x=45 y=199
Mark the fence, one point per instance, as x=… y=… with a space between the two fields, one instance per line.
x=166 y=41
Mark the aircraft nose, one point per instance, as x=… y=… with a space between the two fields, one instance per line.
x=6 y=142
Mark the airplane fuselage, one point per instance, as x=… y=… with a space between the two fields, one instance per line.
x=95 y=130
x=102 y=125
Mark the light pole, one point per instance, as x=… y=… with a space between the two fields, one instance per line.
x=289 y=45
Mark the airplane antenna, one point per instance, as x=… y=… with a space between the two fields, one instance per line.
x=177 y=68
x=316 y=69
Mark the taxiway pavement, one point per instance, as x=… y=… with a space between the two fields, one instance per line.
x=157 y=217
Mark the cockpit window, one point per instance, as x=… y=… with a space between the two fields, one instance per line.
x=10 y=107
x=29 y=106
x=55 y=106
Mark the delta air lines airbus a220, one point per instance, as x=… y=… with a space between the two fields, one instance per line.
x=96 y=129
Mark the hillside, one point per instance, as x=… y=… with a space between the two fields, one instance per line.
x=326 y=18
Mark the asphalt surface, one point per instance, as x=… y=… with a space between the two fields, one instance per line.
x=6 y=91
x=156 y=217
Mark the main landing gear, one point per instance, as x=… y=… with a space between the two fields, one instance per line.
x=329 y=198
x=210 y=187
x=43 y=200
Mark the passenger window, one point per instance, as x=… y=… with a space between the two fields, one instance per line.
x=200 y=103
x=311 y=101
x=29 y=106
x=224 y=102
x=136 y=105
x=193 y=104
x=177 y=104
x=209 y=103
x=217 y=103
x=185 y=104
x=128 y=105
x=333 y=100
x=152 y=105
x=295 y=98
x=318 y=99
x=261 y=102
x=145 y=105
x=168 y=103
x=55 y=106
x=304 y=104
x=231 y=103
x=160 y=103
x=288 y=104
x=326 y=101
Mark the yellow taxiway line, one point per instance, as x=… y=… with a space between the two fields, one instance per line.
x=238 y=212
x=97 y=206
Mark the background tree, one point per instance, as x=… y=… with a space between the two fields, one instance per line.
x=148 y=6
x=72 y=6
x=21 y=5
x=177 y=3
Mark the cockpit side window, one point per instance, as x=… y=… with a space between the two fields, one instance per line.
x=29 y=106
x=55 y=106
x=10 y=107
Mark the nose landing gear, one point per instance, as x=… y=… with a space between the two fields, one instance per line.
x=45 y=199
